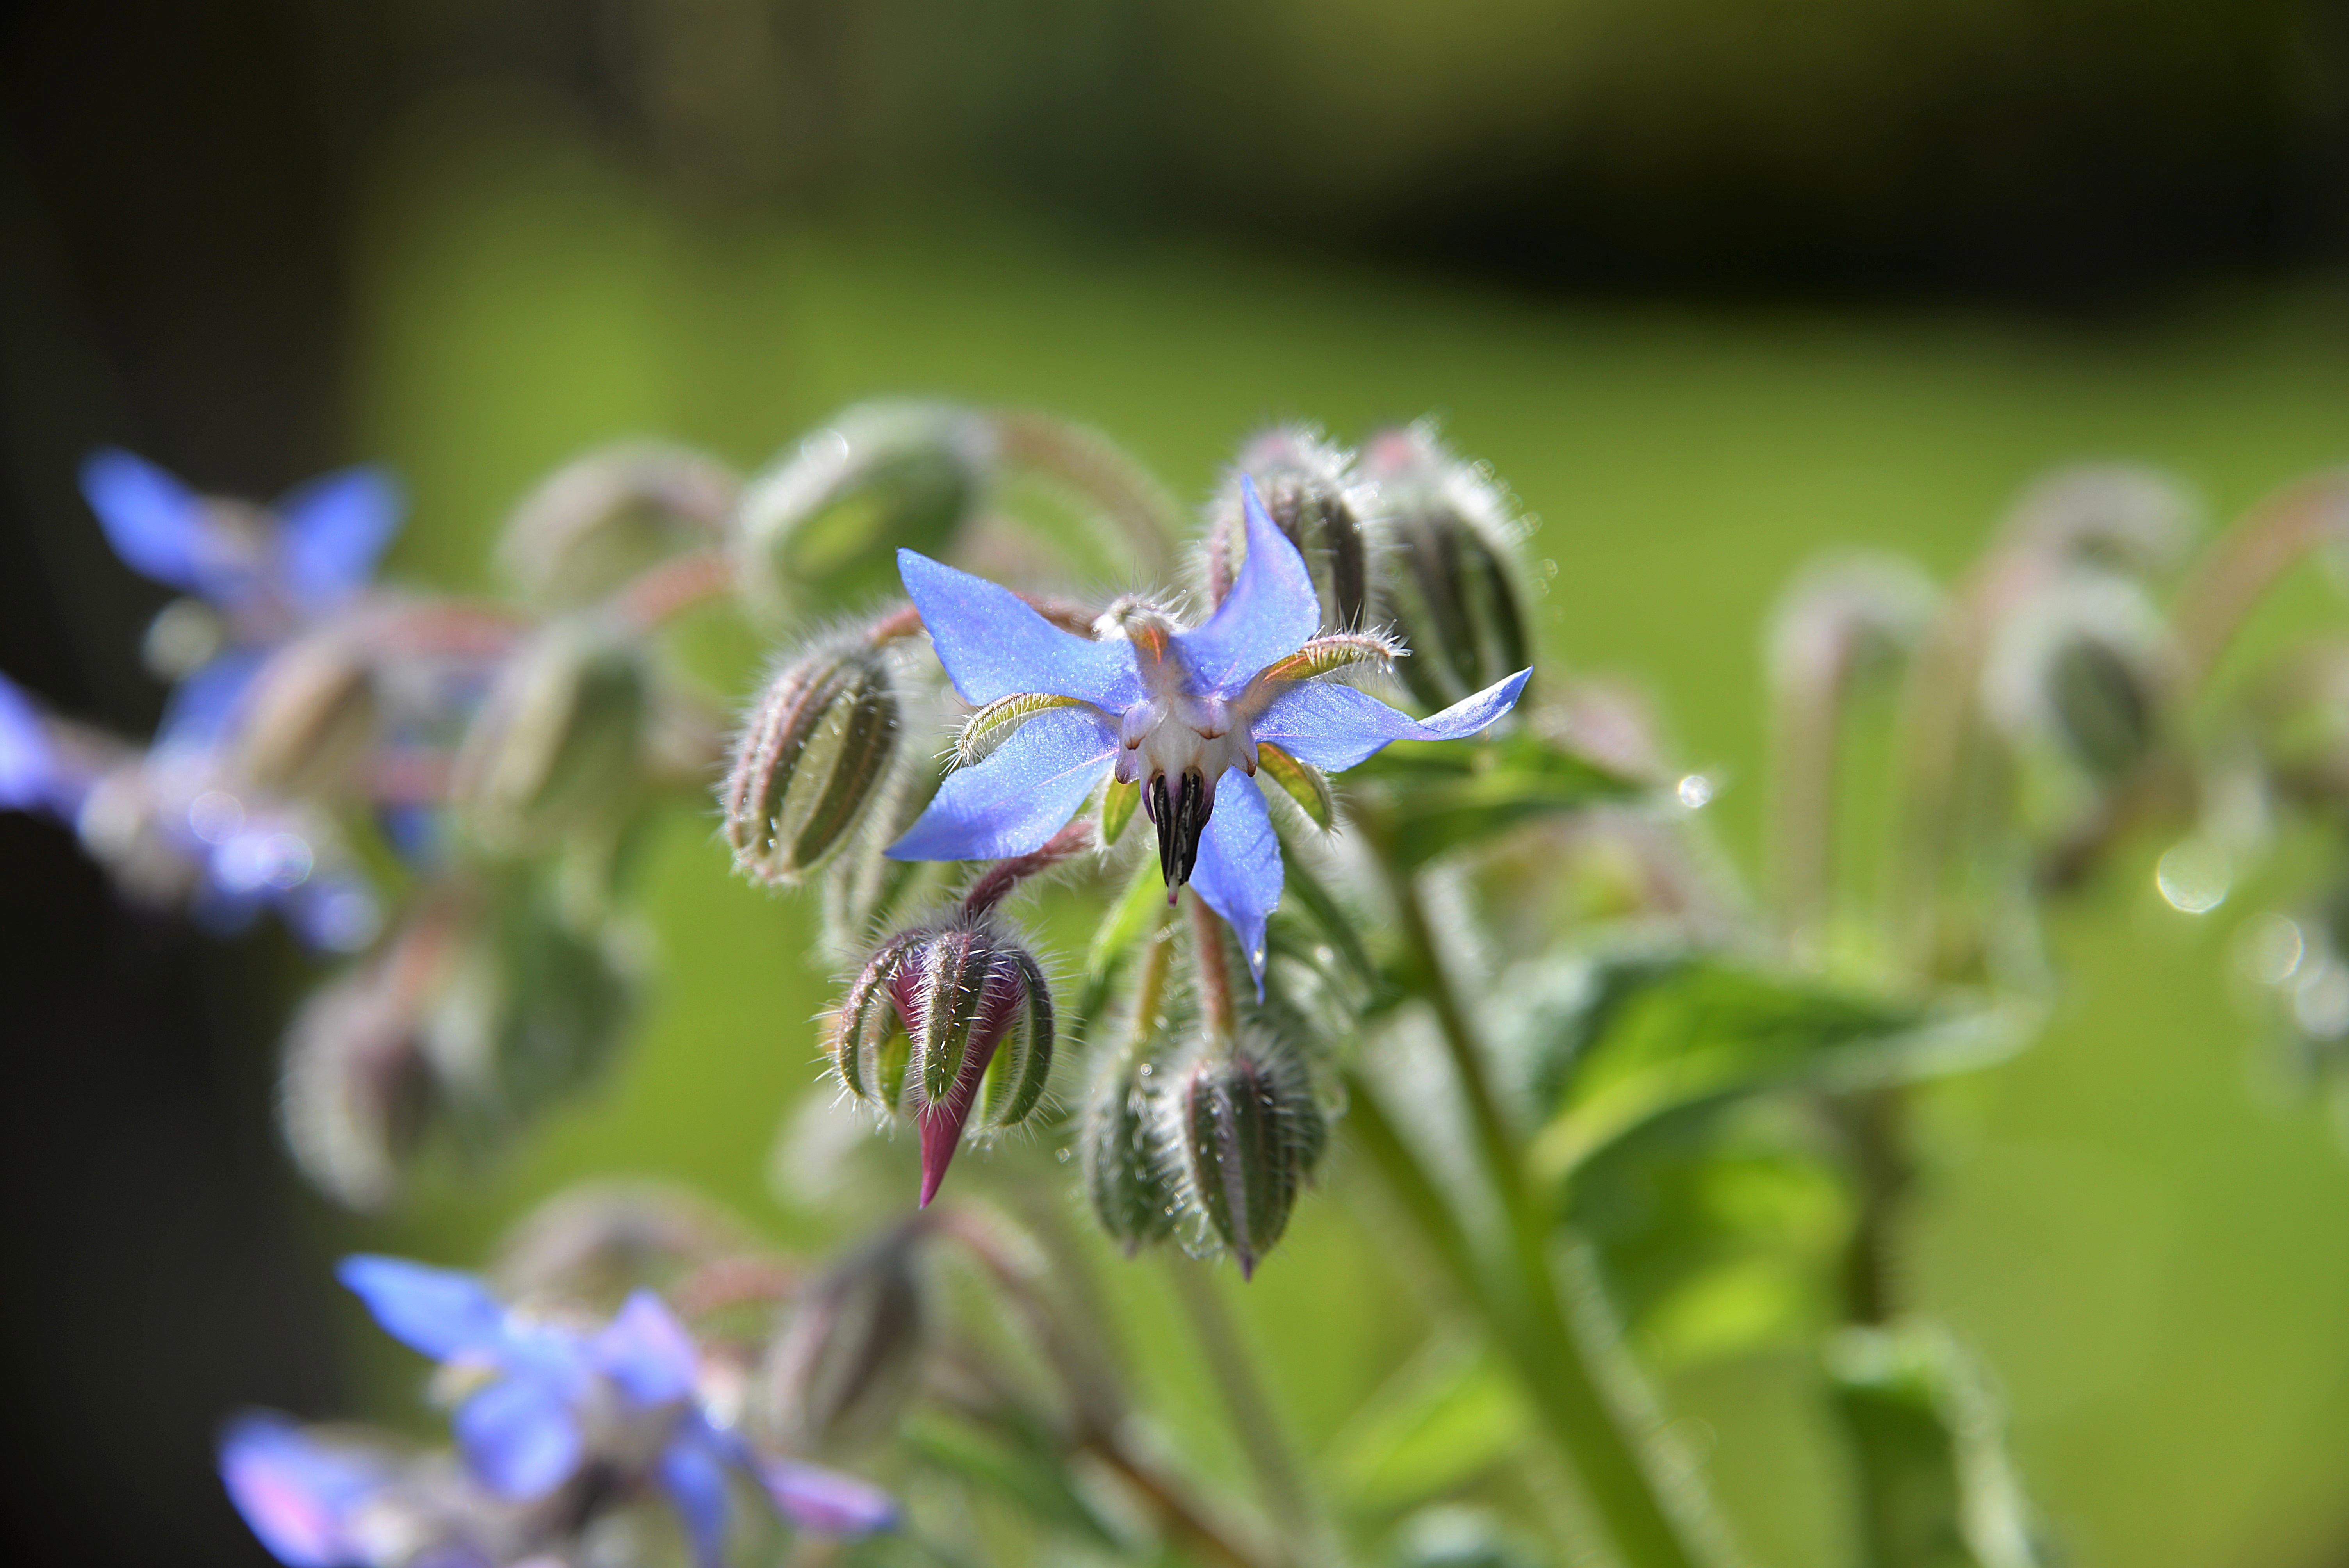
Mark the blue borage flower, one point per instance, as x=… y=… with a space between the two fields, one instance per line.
x=1183 y=712
x=549 y=1403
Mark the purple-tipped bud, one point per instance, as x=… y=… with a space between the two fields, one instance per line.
x=1127 y=1180
x=840 y=1374
x=560 y=743
x=1304 y=481
x=812 y=756
x=1443 y=576
x=310 y=718
x=602 y=518
x=944 y=1025
x=827 y=519
x=1248 y=1133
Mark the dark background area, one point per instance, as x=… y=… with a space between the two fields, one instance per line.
x=177 y=197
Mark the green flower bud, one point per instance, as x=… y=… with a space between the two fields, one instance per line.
x=1247 y=1133
x=1304 y=481
x=813 y=757
x=2085 y=667
x=601 y=519
x=559 y=744
x=850 y=1358
x=952 y=1026
x=826 y=521
x=356 y=1091
x=1443 y=573
x=1126 y=1179
x=311 y=717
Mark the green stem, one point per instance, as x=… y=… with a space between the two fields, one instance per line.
x=1258 y=1429
x=1089 y=463
x=1536 y=1330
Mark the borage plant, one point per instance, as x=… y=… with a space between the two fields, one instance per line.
x=1612 y=1117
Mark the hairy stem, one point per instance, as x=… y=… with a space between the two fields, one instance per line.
x=1291 y=1503
x=996 y=884
x=1529 y=1318
x=663 y=593
x=2250 y=559
x=1215 y=973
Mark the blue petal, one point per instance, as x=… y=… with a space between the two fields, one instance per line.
x=520 y=1437
x=647 y=1352
x=1019 y=796
x=1268 y=615
x=202 y=705
x=335 y=529
x=825 y=1503
x=440 y=1311
x=693 y=1473
x=29 y=771
x=155 y=523
x=1335 y=727
x=993 y=645
x=294 y=1491
x=1239 y=872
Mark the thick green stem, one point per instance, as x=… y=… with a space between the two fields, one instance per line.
x=1536 y=1332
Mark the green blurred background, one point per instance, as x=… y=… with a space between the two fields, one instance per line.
x=1713 y=284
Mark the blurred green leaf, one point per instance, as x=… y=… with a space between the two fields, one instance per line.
x=1443 y=1419
x=1016 y=1459
x=1928 y=1436
x=1429 y=798
x=1662 y=1031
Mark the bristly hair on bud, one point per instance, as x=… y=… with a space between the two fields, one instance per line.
x=950 y=1024
x=1245 y=1133
x=1306 y=482
x=827 y=517
x=813 y=754
x=559 y=745
x=601 y=519
x=1129 y=1179
x=1444 y=575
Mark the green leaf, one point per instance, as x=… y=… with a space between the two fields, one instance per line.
x=1936 y=1488
x=1446 y=1418
x=1659 y=1032
x=1429 y=798
x=1016 y=1459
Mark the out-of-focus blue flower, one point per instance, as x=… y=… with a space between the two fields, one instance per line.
x=298 y=1494
x=1180 y=711
x=552 y=1399
x=315 y=547
x=36 y=775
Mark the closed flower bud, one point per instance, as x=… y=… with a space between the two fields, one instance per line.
x=1126 y=1177
x=356 y=1089
x=826 y=520
x=602 y=519
x=951 y=1025
x=2086 y=667
x=311 y=717
x=1248 y=1133
x=850 y=1357
x=1304 y=482
x=813 y=757
x=1444 y=580
x=559 y=743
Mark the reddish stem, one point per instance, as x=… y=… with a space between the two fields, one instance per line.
x=996 y=884
x=676 y=585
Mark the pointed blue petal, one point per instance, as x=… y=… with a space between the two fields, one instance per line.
x=336 y=530
x=1239 y=872
x=693 y=1474
x=825 y=1503
x=993 y=645
x=155 y=523
x=1335 y=727
x=1018 y=798
x=29 y=771
x=520 y=1437
x=202 y=705
x=1268 y=615
x=440 y=1311
x=295 y=1493
x=647 y=1352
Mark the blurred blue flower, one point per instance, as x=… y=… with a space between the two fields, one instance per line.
x=301 y=1495
x=1180 y=711
x=552 y=1400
